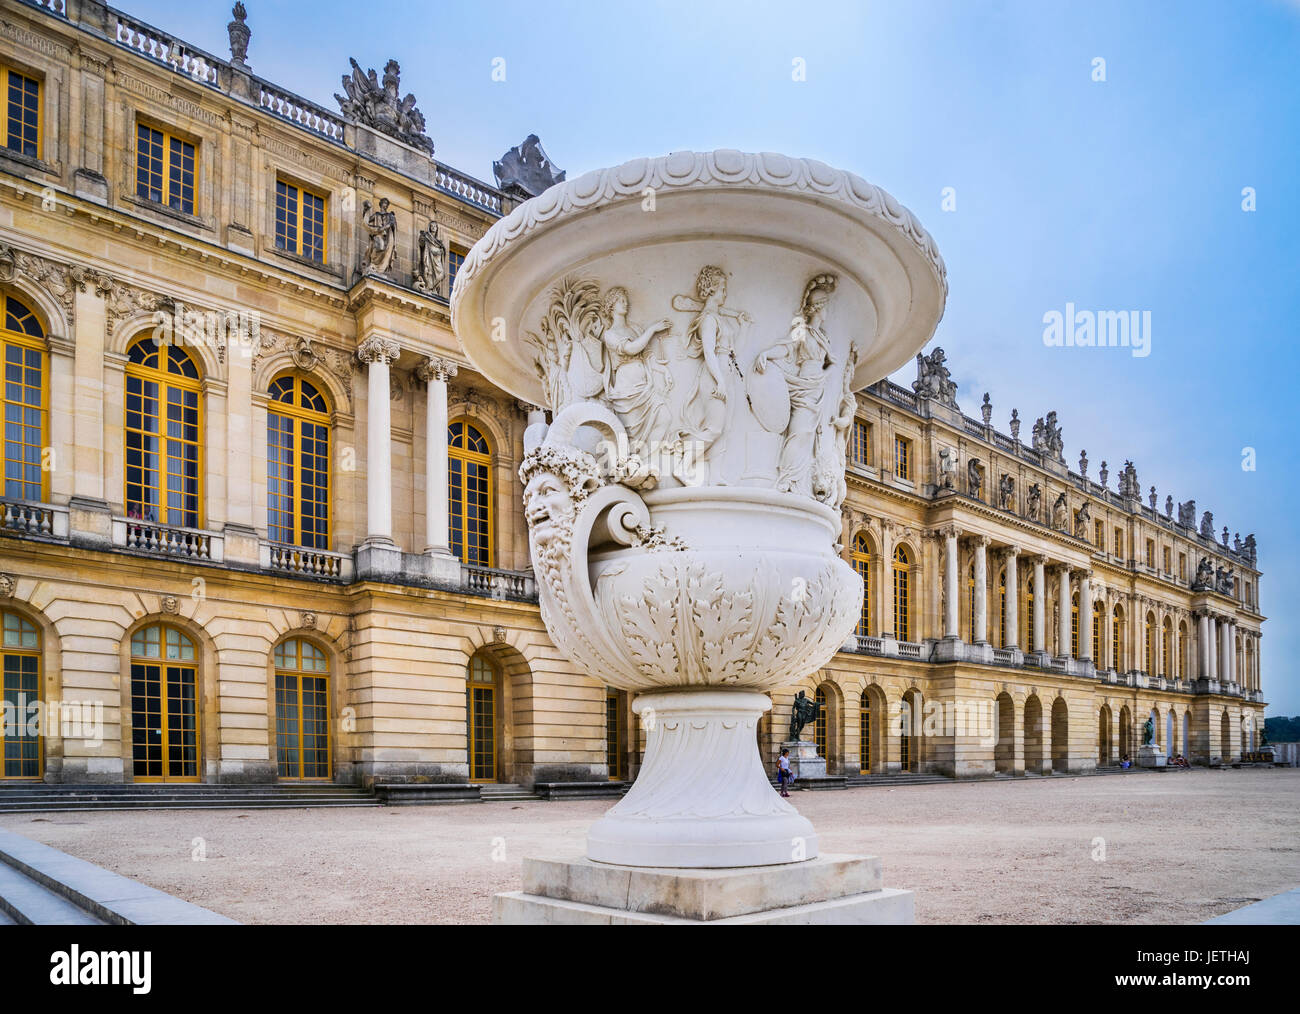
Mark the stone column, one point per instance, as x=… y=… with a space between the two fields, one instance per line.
x=1234 y=676
x=378 y=353
x=980 y=544
x=1202 y=644
x=435 y=373
x=1012 y=619
x=1063 y=628
x=1225 y=652
x=1212 y=647
x=951 y=622
x=1040 y=603
x=1085 y=618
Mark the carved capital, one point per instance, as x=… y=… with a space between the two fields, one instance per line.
x=436 y=369
x=978 y=541
x=1037 y=560
x=1009 y=553
x=378 y=350
x=949 y=532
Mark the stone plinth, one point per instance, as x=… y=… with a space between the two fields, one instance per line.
x=1151 y=756
x=804 y=761
x=831 y=889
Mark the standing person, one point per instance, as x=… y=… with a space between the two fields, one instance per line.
x=783 y=771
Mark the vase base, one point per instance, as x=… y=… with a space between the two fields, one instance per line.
x=831 y=889
x=716 y=843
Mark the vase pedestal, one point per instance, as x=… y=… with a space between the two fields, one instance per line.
x=828 y=890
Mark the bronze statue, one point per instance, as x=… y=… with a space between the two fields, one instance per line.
x=802 y=712
x=1148 y=732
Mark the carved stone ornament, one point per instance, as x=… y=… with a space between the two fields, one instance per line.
x=934 y=379
x=7 y=585
x=681 y=507
x=239 y=35
x=431 y=261
x=435 y=369
x=377 y=106
x=170 y=604
x=378 y=350
x=499 y=635
x=308 y=620
x=526 y=170
x=379 y=256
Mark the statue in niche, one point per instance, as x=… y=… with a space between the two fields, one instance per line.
x=1061 y=513
x=637 y=380
x=805 y=358
x=1033 y=502
x=711 y=337
x=1081 y=521
x=1006 y=488
x=934 y=379
x=832 y=441
x=380 y=256
x=947 y=468
x=431 y=267
x=803 y=712
x=974 y=478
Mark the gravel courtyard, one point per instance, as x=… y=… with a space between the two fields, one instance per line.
x=1178 y=848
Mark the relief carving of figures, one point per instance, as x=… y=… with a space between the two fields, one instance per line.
x=380 y=255
x=1061 y=513
x=377 y=106
x=1081 y=521
x=637 y=381
x=805 y=359
x=832 y=441
x=431 y=267
x=570 y=352
x=711 y=337
x=1006 y=487
x=973 y=477
x=934 y=379
x=947 y=468
x=1033 y=502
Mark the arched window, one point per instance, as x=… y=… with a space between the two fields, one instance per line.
x=25 y=399
x=1028 y=618
x=469 y=493
x=163 y=435
x=164 y=705
x=864 y=725
x=298 y=464
x=1149 y=645
x=860 y=556
x=970 y=603
x=1167 y=648
x=482 y=706
x=1074 y=626
x=302 y=712
x=1117 y=639
x=20 y=731
x=902 y=595
x=1098 y=632
x=1182 y=656
x=1002 y=609
x=819 y=726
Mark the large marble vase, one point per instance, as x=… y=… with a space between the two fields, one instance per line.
x=697 y=326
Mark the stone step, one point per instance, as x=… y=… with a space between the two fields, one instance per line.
x=26 y=903
x=181 y=804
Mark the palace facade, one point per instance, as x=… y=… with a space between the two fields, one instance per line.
x=261 y=519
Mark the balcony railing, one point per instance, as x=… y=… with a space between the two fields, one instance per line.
x=498 y=584
x=467 y=188
x=29 y=518
x=299 y=111
x=298 y=560
x=168 y=540
x=155 y=45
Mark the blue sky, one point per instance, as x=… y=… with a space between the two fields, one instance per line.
x=1117 y=195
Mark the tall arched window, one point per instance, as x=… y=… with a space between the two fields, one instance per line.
x=1002 y=609
x=163 y=435
x=482 y=706
x=1182 y=654
x=164 y=705
x=1167 y=648
x=1028 y=618
x=302 y=712
x=970 y=603
x=860 y=556
x=864 y=725
x=1098 y=632
x=469 y=493
x=820 y=724
x=25 y=399
x=19 y=734
x=902 y=595
x=1074 y=626
x=1117 y=639
x=1149 y=645
x=298 y=464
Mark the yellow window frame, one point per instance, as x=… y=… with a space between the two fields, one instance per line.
x=164 y=664
x=7 y=74
x=864 y=739
x=860 y=557
x=297 y=190
x=902 y=596
x=166 y=381
x=298 y=416
x=27 y=342
x=902 y=458
x=298 y=672
x=460 y=457
x=166 y=176
x=21 y=717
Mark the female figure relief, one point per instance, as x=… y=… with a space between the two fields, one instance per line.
x=805 y=358
x=719 y=389
x=636 y=387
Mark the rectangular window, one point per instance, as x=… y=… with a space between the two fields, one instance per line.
x=22 y=132
x=164 y=169
x=455 y=258
x=1099 y=534
x=1119 y=542
x=902 y=458
x=299 y=221
x=1151 y=552
x=1168 y=560
x=1182 y=566
x=860 y=443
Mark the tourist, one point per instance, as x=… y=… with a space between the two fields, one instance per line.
x=783 y=771
x=1125 y=763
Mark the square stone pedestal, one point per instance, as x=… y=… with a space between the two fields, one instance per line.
x=804 y=762
x=828 y=890
x=1151 y=756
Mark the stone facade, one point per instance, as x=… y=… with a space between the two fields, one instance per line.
x=398 y=617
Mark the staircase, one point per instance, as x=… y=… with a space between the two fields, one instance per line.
x=41 y=798
x=493 y=792
x=896 y=780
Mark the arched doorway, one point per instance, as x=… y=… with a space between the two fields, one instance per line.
x=865 y=716
x=1060 y=735
x=1033 y=736
x=1171 y=745
x=483 y=711
x=1004 y=749
x=302 y=711
x=1225 y=737
x=820 y=725
x=19 y=736
x=1103 y=736
x=1125 y=733
x=909 y=739
x=164 y=705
